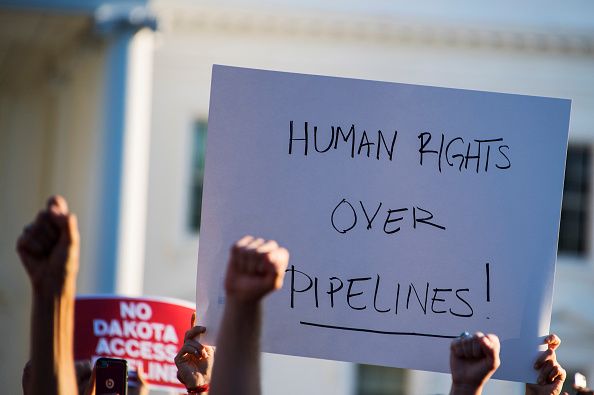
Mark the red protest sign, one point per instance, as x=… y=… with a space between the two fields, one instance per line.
x=147 y=332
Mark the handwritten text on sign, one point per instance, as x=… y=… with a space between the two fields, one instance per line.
x=412 y=214
x=346 y=215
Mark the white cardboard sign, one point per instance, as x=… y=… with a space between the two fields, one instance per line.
x=412 y=214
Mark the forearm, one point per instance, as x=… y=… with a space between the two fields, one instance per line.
x=52 y=327
x=237 y=364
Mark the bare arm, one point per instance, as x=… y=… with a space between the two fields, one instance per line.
x=49 y=250
x=238 y=347
x=256 y=267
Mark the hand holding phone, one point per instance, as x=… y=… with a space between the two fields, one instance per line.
x=111 y=376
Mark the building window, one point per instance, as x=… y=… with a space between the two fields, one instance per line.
x=197 y=174
x=573 y=231
x=380 y=380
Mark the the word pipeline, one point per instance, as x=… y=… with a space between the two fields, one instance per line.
x=149 y=346
x=375 y=294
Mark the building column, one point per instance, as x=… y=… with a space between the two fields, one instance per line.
x=127 y=31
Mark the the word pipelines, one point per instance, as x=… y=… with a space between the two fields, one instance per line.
x=344 y=217
x=362 y=293
x=448 y=152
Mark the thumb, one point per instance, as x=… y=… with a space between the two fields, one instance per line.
x=552 y=341
x=68 y=226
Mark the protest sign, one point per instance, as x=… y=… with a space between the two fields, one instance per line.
x=412 y=214
x=147 y=332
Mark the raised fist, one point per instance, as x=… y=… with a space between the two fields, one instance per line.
x=49 y=246
x=473 y=360
x=256 y=267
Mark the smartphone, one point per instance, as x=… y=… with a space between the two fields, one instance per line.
x=111 y=376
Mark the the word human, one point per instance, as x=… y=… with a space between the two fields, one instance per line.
x=336 y=138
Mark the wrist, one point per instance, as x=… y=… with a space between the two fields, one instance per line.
x=55 y=287
x=201 y=389
x=243 y=313
x=243 y=297
x=466 y=389
x=244 y=303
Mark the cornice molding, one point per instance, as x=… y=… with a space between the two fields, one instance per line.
x=374 y=30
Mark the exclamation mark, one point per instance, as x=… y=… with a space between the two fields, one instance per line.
x=487 y=271
x=488 y=283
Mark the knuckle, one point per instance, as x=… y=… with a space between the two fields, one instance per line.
x=562 y=372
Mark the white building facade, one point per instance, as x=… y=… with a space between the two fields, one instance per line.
x=505 y=47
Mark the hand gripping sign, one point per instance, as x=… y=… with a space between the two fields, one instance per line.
x=147 y=332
